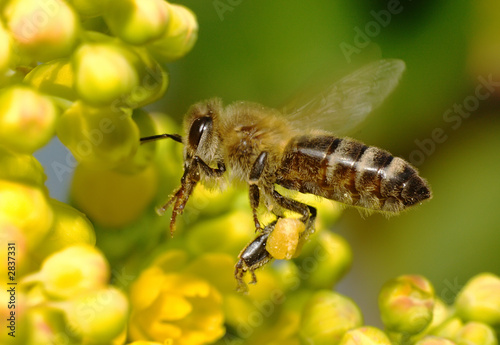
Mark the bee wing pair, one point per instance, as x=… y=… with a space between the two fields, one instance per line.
x=343 y=105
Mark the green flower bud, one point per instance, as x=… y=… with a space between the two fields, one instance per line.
x=47 y=326
x=325 y=259
x=43 y=30
x=365 y=336
x=27 y=119
x=98 y=316
x=449 y=328
x=145 y=153
x=479 y=300
x=137 y=21
x=55 y=78
x=153 y=82
x=25 y=209
x=70 y=227
x=440 y=315
x=90 y=8
x=105 y=72
x=5 y=49
x=113 y=199
x=433 y=340
x=103 y=138
x=327 y=316
x=406 y=304
x=22 y=168
x=179 y=37
x=72 y=272
x=476 y=333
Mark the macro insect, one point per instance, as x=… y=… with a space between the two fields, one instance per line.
x=264 y=147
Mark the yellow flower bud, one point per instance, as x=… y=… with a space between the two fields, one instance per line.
x=25 y=209
x=103 y=138
x=97 y=316
x=55 y=78
x=113 y=199
x=27 y=119
x=479 y=300
x=406 y=304
x=179 y=37
x=70 y=227
x=283 y=241
x=327 y=316
x=22 y=168
x=5 y=49
x=433 y=340
x=440 y=315
x=90 y=8
x=47 y=326
x=137 y=21
x=476 y=333
x=73 y=271
x=42 y=29
x=449 y=328
x=365 y=336
x=105 y=72
x=325 y=259
x=145 y=153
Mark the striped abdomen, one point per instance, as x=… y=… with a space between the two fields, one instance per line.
x=348 y=171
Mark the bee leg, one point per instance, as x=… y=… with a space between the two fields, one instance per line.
x=188 y=181
x=308 y=212
x=253 y=179
x=254 y=203
x=253 y=256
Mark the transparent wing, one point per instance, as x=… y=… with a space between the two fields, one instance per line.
x=345 y=104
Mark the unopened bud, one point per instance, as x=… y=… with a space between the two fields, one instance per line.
x=138 y=21
x=27 y=119
x=476 y=333
x=73 y=271
x=105 y=72
x=406 y=304
x=180 y=36
x=480 y=300
x=42 y=29
x=365 y=336
x=327 y=316
x=99 y=315
x=433 y=340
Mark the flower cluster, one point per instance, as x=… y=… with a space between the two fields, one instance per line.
x=80 y=70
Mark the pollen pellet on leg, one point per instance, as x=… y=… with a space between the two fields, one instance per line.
x=283 y=241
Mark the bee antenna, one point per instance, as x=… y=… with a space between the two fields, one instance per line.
x=175 y=137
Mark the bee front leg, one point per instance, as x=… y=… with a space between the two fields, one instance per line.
x=253 y=256
x=253 y=179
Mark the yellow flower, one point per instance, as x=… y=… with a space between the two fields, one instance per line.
x=178 y=307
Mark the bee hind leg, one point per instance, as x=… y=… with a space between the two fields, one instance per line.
x=308 y=212
x=252 y=257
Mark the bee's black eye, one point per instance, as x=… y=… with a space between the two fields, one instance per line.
x=197 y=128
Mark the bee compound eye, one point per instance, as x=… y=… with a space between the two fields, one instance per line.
x=199 y=125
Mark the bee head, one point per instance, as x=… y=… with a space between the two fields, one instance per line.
x=200 y=126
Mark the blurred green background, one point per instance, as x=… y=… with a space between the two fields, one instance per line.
x=266 y=52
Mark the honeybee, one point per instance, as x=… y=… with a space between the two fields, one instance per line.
x=264 y=147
